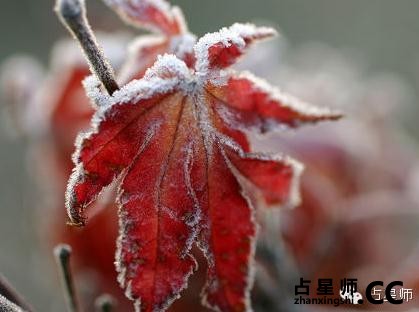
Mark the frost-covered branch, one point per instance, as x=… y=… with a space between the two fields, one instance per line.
x=72 y=14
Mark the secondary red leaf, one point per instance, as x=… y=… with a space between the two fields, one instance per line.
x=184 y=171
x=143 y=54
x=145 y=49
x=156 y=15
x=159 y=16
x=68 y=119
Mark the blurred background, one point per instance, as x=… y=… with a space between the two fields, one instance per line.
x=331 y=52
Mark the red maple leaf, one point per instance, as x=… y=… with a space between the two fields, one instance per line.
x=155 y=15
x=175 y=142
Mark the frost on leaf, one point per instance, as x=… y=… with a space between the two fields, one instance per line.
x=223 y=48
x=144 y=50
x=175 y=142
x=171 y=35
x=156 y=15
x=253 y=103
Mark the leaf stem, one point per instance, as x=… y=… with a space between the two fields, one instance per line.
x=62 y=255
x=72 y=14
x=9 y=293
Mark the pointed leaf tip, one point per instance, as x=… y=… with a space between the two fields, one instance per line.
x=221 y=49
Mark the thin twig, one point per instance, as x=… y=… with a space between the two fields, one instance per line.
x=62 y=254
x=11 y=294
x=72 y=14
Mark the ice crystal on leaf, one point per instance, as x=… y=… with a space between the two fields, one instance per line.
x=171 y=34
x=174 y=140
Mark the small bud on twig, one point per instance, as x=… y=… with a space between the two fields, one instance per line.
x=62 y=255
x=105 y=303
